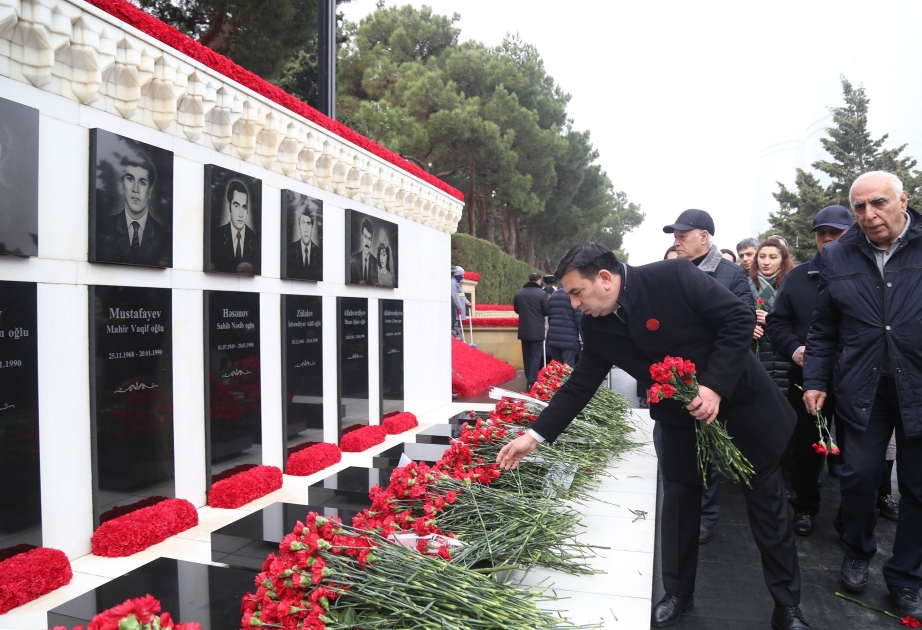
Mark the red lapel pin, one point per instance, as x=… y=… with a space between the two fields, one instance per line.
x=652 y=324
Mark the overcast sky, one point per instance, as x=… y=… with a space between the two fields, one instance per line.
x=681 y=97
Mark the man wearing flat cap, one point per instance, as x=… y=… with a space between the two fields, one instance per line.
x=787 y=327
x=693 y=231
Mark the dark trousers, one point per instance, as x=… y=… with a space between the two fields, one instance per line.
x=532 y=353
x=860 y=480
x=564 y=355
x=805 y=464
x=769 y=520
x=710 y=497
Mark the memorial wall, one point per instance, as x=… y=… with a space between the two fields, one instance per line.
x=193 y=278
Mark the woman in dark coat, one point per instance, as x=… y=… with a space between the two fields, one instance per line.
x=772 y=263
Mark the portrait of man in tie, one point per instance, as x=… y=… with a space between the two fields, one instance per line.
x=302 y=246
x=373 y=243
x=18 y=179
x=131 y=203
x=233 y=208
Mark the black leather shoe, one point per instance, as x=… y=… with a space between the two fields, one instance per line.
x=803 y=524
x=705 y=534
x=907 y=601
x=854 y=573
x=888 y=508
x=788 y=618
x=669 y=609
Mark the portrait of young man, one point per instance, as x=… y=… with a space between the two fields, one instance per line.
x=302 y=246
x=364 y=267
x=131 y=202
x=18 y=179
x=233 y=205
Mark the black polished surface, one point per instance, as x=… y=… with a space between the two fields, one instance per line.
x=189 y=591
x=425 y=453
x=439 y=434
x=352 y=361
x=232 y=385
x=390 y=315
x=348 y=487
x=18 y=179
x=302 y=369
x=20 y=480
x=131 y=395
x=233 y=210
x=245 y=543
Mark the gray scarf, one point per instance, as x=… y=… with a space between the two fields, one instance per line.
x=767 y=282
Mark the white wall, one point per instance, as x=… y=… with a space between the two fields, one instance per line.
x=63 y=272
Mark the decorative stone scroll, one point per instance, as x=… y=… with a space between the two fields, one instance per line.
x=74 y=50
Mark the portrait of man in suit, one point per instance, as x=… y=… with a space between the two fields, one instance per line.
x=304 y=243
x=233 y=213
x=18 y=179
x=128 y=181
x=364 y=267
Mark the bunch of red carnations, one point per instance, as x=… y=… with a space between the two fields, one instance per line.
x=244 y=487
x=362 y=439
x=675 y=378
x=399 y=422
x=550 y=379
x=822 y=426
x=141 y=613
x=313 y=459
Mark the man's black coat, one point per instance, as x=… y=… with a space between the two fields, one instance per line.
x=296 y=267
x=223 y=256
x=670 y=308
x=357 y=271
x=113 y=242
x=530 y=302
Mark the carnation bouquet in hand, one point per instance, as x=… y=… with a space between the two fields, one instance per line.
x=675 y=378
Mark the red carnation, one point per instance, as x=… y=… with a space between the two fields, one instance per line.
x=820 y=448
x=912 y=622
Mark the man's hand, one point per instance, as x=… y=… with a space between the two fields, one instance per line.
x=760 y=317
x=705 y=405
x=758 y=332
x=798 y=357
x=515 y=451
x=814 y=399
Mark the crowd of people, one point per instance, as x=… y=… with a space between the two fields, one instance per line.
x=808 y=363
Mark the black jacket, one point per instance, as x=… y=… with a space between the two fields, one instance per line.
x=297 y=267
x=788 y=323
x=858 y=316
x=223 y=256
x=562 y=321
x=669 y=308
x=776 y=364
x=113 y=242
x=530 y=303
x=729 y=275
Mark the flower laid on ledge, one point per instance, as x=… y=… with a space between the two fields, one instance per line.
x=312 y=459
x=399 y=422
x=244 y=487
x=473 y=371
x=495 y=307
x=472 y=275
x=29 y=575
x=122 y=510
x=362 y=439
x=135 y=614
x=499 y=322
x=134 y=532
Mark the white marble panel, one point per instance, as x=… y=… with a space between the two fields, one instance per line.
x=38 y=270
x=374 y=363
x=330 y=358
x=189 y=395
x=270 y=363
x=63 y=219
x=188 y=213
x=271 y=232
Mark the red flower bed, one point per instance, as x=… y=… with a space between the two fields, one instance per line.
x=27 y=576
x=472 y=275
x=300 y=447
x=495 y=307
x=312 y=459
x=244 y=487
x=140 y=20
x=473 y=371
x=510 y=322
x=140 y=613
x=398 y=423
x=230 y=472
x=362 y=439
x=142 y=528
x=122 y=510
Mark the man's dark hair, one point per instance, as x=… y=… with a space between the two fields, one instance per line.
x=534 y=277
x=140 y=160
x=729 y=251
x=366 y=225
x=668 y=251
x=746 y=243
x=236 y=185
x=589 y=258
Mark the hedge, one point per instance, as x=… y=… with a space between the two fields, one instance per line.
x=501 y=274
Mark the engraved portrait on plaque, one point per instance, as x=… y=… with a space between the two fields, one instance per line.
x=302 y=236
x=131 y=201
x=18 y=179
x=233 y=222
x=371 y=250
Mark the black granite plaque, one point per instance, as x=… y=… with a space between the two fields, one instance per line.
x=189 y=591
x=20 y=483
x=131 y=395
x=371 y=250
x=302 y=236
x=302 y=371
x=245 y=543
x=352 y=381
x=131 y=201
x=439 y=434
x=390 y=316
x=18 y=179
x=425 y=453
x=232 y=381
x=233 y=222
x=349 y=487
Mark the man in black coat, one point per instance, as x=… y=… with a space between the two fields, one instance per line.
x=787 y=327
x=235 y=247
x=638 y=316
x=866 y=337
x=363 y=268
x=563 y=327
x=530 y=302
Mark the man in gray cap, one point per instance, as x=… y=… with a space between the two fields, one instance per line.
x=787 y=327
x=693 y=231
x=459 y=301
